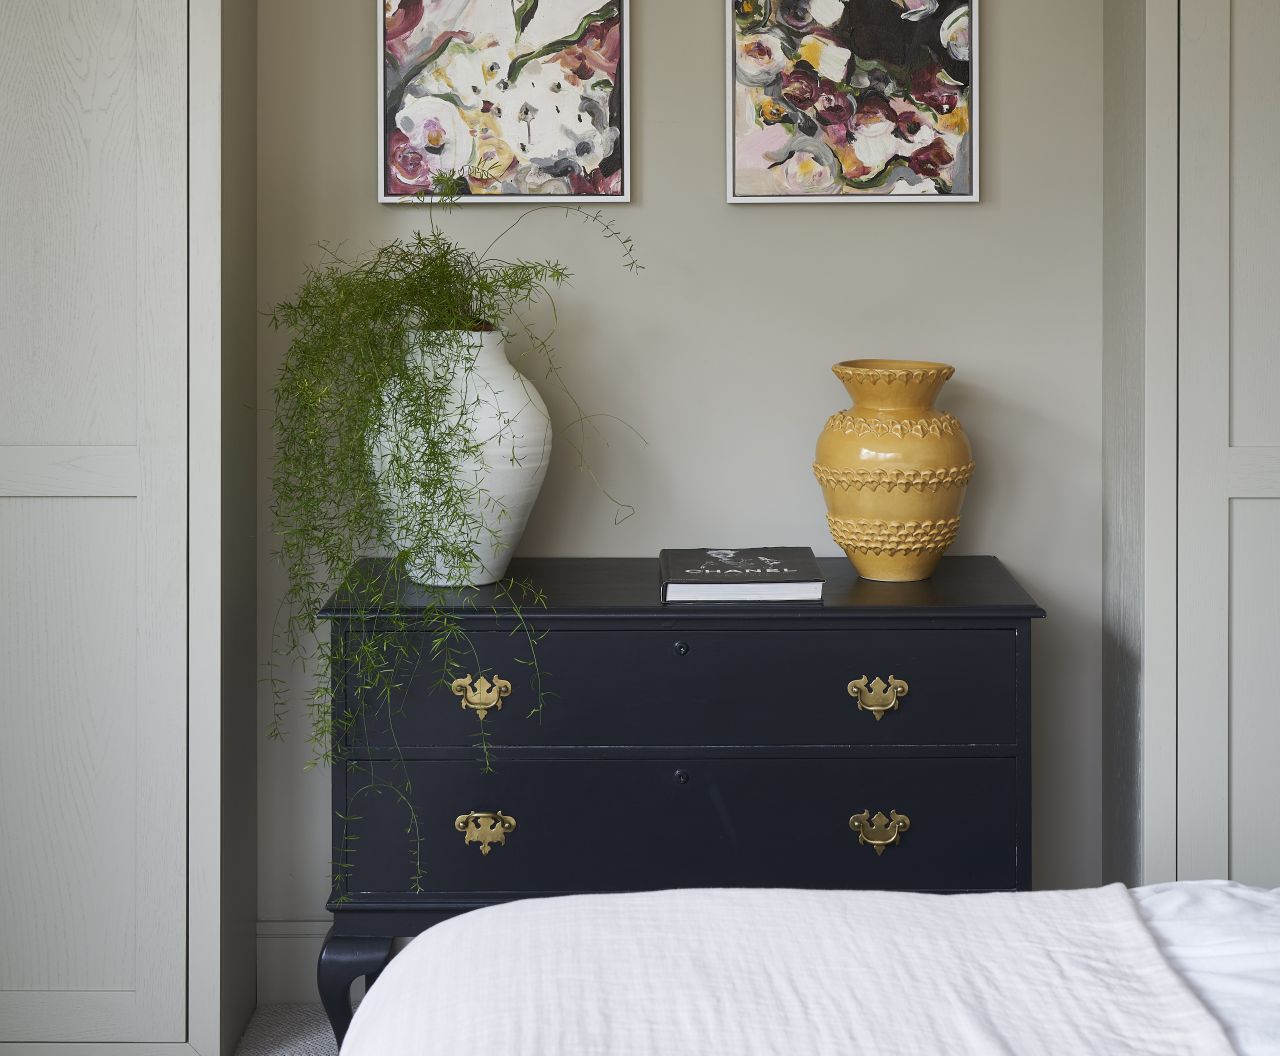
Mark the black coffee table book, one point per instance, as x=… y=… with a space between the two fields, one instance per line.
x=879 y=739
x=769 y=573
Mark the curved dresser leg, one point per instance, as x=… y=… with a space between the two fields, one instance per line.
x=343 y=959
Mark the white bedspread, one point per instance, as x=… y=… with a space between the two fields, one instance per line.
x=792 y=973
x=1224 y=940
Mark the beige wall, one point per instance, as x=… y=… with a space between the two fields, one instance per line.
x=719 y=352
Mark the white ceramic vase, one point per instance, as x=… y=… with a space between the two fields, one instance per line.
x=508 y=422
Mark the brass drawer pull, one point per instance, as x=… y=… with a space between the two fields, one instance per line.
x=485 y=829
x=879 y=832
x=878 y=697
x=483 y=696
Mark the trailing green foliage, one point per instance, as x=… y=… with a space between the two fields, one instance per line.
x=389 y=334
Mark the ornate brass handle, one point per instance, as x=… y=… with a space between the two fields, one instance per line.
x=485 y=829
x=879 y=832
x=483 y=696
x=878 y=696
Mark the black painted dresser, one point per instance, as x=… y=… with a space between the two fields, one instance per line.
x=880 y=739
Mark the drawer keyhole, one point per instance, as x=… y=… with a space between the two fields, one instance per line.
x=681 y=648
x=681 y=777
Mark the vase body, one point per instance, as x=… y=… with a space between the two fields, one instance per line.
x=506 y=420
x=893 y=469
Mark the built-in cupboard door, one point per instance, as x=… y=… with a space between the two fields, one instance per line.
x=1229 y=444
x=92 y=520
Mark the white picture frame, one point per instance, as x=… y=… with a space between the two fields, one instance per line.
x=624 y=11
x=734 y=198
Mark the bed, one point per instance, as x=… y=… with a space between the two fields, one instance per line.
x=1187 y=968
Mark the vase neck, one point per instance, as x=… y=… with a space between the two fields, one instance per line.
x=891 y=386
x=491 y=350
x=487 y=346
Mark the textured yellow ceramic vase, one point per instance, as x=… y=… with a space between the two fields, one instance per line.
x=893 y=469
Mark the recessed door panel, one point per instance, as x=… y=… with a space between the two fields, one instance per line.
x=1255 y=251
x=1255 y=691
x=67 y=757
x=69 y=215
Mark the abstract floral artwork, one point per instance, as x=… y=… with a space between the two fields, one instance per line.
x=852 y=99
x=511 y=98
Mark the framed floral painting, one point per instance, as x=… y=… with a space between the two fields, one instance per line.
x=853 y=100
x=511 y=99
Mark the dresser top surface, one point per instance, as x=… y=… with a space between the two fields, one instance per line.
x=629 y=586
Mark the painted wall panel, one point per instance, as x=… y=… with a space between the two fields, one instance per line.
x=1254 y=687
x=68 y=219
x=67 y=760
x=1255 y=256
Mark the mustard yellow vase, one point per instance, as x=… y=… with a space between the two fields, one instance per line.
x=893 y=469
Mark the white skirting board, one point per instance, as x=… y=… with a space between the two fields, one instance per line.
x=287 y=953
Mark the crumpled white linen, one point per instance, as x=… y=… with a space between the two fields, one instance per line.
x=1224 y=940
x=788 y=973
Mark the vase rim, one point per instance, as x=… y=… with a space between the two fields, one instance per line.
x=476 y=336
x=478 y=327
x=893 y=365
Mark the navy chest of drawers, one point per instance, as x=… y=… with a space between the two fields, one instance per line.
x=880 y=739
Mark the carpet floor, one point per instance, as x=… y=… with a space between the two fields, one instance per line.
x=288 y=1030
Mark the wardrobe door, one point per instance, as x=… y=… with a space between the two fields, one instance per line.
x=1229 y=446
x=93 y=420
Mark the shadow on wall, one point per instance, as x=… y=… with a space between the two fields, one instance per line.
x=1067 y=720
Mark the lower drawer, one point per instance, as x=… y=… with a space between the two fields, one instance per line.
x=649 y=824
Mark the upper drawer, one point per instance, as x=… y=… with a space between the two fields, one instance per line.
x=655 y=688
